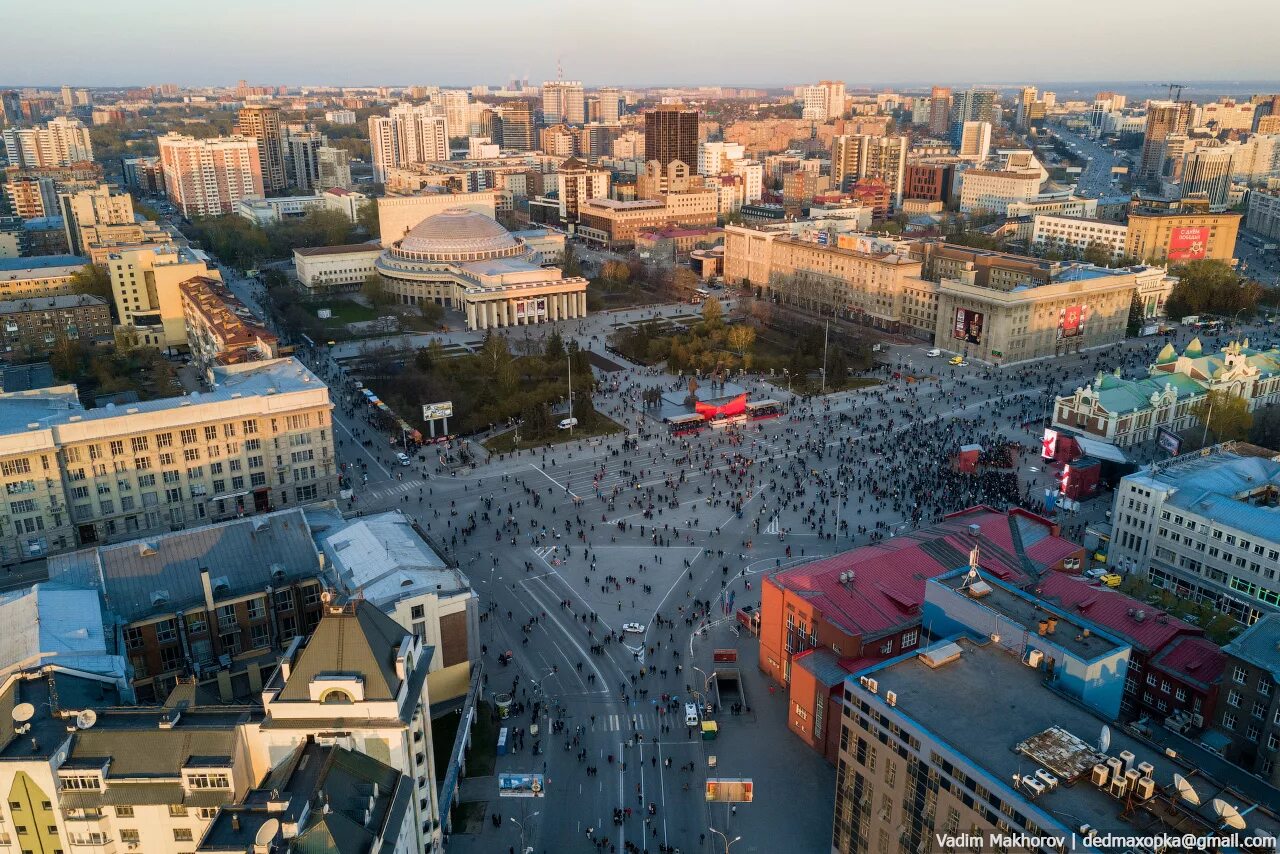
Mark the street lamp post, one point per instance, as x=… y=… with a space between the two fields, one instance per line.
x=569 y=359
x=840 y=495
x=727 y=841
x=520 y=824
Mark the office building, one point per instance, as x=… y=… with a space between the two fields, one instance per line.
x=1206 y=174
x=467 y=261
x=1164 y=119
x=563 y=101
x=1263 y=217
x=975 y=141
x=1071 y=235
x=1247 y=724
x=88 y=209
x=1227 y=115
x=59 y=142
x=610 y=104
x=971 y=105
x=930 y=181
x=265 y=212
x=991 y=189
x=595 y=140
x=263 y=124
x=409 y=134
x=1205 y=526
x=302 y=166
x=858 y=156
x=716 y=157
x=671 y=133
x=517 y=120
x=206 y=177
x=939 y=111
x=1158 y=236
x=33 y=327
x=220 y=329
x=261 y=439
x=39 y=276
x=576 y=182
x=455 y=104
x=615 y=224
x=822 y=620
x=145 y=285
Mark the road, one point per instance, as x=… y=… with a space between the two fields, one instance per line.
x=1095 y=181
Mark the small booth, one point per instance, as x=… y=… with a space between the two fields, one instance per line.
x=710 y=729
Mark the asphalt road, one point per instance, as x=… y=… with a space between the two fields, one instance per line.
x=1095 y=180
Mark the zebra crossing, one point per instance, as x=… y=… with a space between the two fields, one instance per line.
x=641 y=722
x=774 y=527
x=398 y=488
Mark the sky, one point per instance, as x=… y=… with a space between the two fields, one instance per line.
x=634 y=42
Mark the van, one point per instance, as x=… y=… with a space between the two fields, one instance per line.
x=566 y=423
x=403 y=459
x=1111 y=579
x=934 y=353
x=690 y=714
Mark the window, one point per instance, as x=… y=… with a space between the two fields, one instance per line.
x=259 y=635
x=124 y=812
x=189 y=436
x=209 y=781
x=336 y=697
x=257 y=608
x=191 y=455
x=177 y=810
x=166 y=631
x=139 y=443
x=1233 y=699
x=1229 y=721
x=129 y=835
x=284 y=599
x=1151 y=679
x=133 y=637
x=1181 y=693
x=211 y=434
x=418 y=612
x=182 y=834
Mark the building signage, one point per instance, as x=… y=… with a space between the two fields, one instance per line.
x=968 y=326
x=1188 y=244
x=521 y=786
x=1169 y=440
x=1071 y=320
x=432 y=411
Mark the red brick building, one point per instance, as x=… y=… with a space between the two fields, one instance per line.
x=928 y=181
x=822 y=621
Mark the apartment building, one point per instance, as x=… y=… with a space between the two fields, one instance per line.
x=35 y=326
x=89 y=208
x=262 y=123
x=858 y=156
x=576 y=182
x=221 y=330
x=206 y=177
x=144 y=284
x=39 y=276
x=408 y=134
x=564 y=101
x=1248 y=721
x=261 y=439
x=1263 y=215
x=1204 y=526
x=59 y=142
x=1073 y=235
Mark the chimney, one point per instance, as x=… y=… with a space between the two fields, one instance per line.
x=1053 y=625
x=207 y=585
x=235 y=821
x=1043 y=629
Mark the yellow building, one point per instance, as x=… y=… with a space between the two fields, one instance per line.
x=41 y=276
x=96 y=207
x=144 y=283
x=1175 y=236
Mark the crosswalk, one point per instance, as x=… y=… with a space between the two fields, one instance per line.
x=774 y=527
x=640 y=721
x=394 y=489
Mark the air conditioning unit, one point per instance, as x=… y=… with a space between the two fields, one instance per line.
x=1131 y=778
x=1127 y=757
x=1116 y=766
x=1145 y=789
x=872 y=685
x=1035 y=786
x=1197 y=720
x=1119 y=785
x=1101 y=776
x=891 y=697
x=1145 y=768
x=1034 y=658
x=1050 y=781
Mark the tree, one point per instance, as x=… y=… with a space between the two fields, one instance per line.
x=616 y=271
x=554 y=352
x=1135 y=316
x=67 y=357
x=1227 y=417
x=570 y=264
x=1266 y=428
x=1098 y=254
x=93 y=279
x=375 y=290
x=423 y=360
x=1206 y=286
x=740 y=338
x=712 y=312
x=367 y=218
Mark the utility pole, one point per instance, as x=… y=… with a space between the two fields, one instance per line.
x=1204 y=437
x=826 y=334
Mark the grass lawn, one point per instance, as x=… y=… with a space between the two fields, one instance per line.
x=505 y=443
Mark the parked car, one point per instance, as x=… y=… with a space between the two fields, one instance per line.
x=634 y=628
x=690 y=714
x=403 y=459
x=566 y=423
x=934 y=353
x=1111 y=579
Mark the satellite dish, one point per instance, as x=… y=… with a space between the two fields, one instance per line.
x=1230 y=815
x=1104 y=739
x=86 y=719
x=23 y=712
x=267 y=832
x=1186 y=790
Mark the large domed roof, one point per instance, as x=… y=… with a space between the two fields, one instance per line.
x=458 y=231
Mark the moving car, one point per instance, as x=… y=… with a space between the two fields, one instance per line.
x=690 y=714
x=403 y=458
x=934 y=353
x=634 y=628
x=958 y=361
x=566 y=423
x=1111 y=579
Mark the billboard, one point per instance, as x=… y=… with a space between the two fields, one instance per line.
x=1169 y=440
x=432 y=411
x=729 y=790
x=1188 y=244
x=1049 y=444
x=1071 y=320
x=521 y=786
x=968 y=326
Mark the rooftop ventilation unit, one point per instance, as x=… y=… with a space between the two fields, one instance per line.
x=937 y=656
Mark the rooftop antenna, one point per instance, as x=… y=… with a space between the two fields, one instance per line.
x=267 y=833
x=560 y=67
x=1185 y=790
x=973 y=562
x=1230 y=816
x=86 y=719
x=1104 y=739
x=22 y=715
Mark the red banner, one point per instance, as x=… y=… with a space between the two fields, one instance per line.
x=737 y=406
x=1188 y=244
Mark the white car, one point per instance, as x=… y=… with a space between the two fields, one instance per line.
x=933 y=354
x=634 y=628
x=568 y=422
x=403 y=459
x=690 y=714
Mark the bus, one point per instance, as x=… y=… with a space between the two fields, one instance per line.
x=699 y=296
x=680 y=425
x=759 y=410
x=720 y=422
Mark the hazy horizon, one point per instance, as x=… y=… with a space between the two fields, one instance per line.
x=662 y=42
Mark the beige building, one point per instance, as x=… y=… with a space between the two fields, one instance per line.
x=144 y=283
x=324 y=269
x=206 y=177
x=60 y=142
x=1264 y=214
x=90 y=208
x=398 y=214
x=613 y=223
x=1076 y=234
x=41 y=276
x=1161 y=236
x=220 y=329
x=260 y=440
x=262 y=122
x=577 y=182
x=994 y=190
x=467 y=261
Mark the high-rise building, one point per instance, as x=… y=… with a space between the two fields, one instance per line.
x=263 y=124
x=857 y=156
x=610 y=104
x=409 y=134
x=558 y=140
x=576 y=182
x=975 y=141
x=715 y=157
x=1207 y=170
x=90 y=208
x=144 y=283
x=456 y=105
x=823 y=100
x=206 y=177
x=1164 y=119
x=1026 y=97
x=517 y=125
x=671 y=133
x=60 y=142
x=939 y=110
x=563 y=101
x=333 y=168
x=971 y=105
x=301 y=159
x=10 y=106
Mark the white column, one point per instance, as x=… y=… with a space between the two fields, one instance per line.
x=494 y=315
x=471 y=315
x=565 y=311
x=582 y=303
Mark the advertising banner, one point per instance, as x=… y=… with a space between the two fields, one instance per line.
x=1049 y=444
x=1169 y=440
x=1071 y=320
x=729 y=790
x=737 y=406
x=521 y=786
x=431 y=411
x=968 y=326
x=1188 y=244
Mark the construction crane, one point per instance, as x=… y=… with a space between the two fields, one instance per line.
x=1175 y=96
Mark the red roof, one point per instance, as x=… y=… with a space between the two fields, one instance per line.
x=889 y=577
x=1146 y=628
x=1195 y=660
